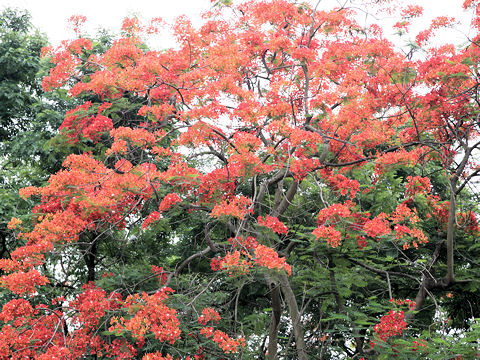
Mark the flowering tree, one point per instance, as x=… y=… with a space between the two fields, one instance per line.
x=277 y=185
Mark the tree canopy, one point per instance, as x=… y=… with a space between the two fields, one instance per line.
x=284 y=183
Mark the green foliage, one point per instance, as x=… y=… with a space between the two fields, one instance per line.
x=19 y=65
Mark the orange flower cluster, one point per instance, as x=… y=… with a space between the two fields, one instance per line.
x=334 y=213
x=237 y=207
x=20 y=282
x=233 y=263
x=267 y=257
x=224 y=342
x=381 y=225
x=150 y=314
x=238 y=262
x=403 y=157
x=14 y=223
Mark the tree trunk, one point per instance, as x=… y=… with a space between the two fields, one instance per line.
x=295 y=316
x=450 y=277
x=275 y=320
x=90 y=257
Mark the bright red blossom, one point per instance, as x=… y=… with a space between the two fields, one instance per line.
x=332 y=236
x=169 y=201
x=377 y=227
x=273 y=223
x=209 y=314
x=247 y=115
x=390 y=325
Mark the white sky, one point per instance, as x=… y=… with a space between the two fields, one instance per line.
x=50 y=15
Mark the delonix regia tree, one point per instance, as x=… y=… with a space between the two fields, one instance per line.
x=283 y=183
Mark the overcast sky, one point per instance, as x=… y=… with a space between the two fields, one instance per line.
x=50 y=15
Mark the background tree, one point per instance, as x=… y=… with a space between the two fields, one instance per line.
x=28 y=117
x=20 y=63
x=293 y=176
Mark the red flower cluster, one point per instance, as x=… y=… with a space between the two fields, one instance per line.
x=157 y=356
x=160 y=273
x=393 y=323
x=273 y=224
x=330 y=234
x=325 y=92
x=419 y=344
x=410 y=303
x=334 y=213
x=168 y=201
x=417 y=185
x=209 y=314
x=80 y=121
x=361 y=242
x=376 y=227
x=151 y=218
x=390 y=325
x=343 y=185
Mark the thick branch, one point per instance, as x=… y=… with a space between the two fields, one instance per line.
x=467 y=179
x=287 y=200
x=268 y=182
x=188 y=260
x=425 y=284
x=381 y=271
